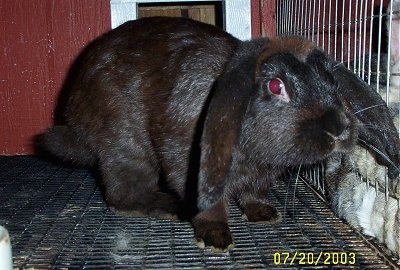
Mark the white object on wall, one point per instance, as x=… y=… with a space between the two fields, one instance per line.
x=237 y=14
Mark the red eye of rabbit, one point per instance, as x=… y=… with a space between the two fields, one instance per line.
x=277 y=88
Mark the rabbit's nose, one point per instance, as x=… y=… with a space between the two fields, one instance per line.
x=336 y=124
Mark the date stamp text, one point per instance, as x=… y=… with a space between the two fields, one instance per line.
x=314 y=258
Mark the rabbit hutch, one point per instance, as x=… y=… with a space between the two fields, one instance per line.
x=55 y=214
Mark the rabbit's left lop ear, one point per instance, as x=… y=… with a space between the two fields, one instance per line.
x=227 y=106
x=376 y=128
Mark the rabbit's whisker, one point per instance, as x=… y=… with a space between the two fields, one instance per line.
x=377 y=151
x=294 y=190
x=370 y=107
x=296 y=178
x=374 y=127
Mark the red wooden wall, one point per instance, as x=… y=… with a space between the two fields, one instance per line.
x=263 y=18
x=38 y=41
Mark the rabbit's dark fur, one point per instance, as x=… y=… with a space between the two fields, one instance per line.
x=173 y=110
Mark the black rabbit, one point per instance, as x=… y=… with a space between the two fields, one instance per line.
x=173 y=110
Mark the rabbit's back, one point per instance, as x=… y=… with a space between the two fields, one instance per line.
x=145 y=82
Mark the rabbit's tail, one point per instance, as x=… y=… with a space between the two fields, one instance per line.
x=63 y=143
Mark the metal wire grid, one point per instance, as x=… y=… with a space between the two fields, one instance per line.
x=57 y=219
x=325 y=22
x=346 y=29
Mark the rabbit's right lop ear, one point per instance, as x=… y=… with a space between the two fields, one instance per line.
x=376 y=128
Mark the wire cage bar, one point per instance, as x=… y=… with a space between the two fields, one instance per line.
x=355 y=32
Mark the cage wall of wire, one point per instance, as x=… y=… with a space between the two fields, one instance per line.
x=355 y=32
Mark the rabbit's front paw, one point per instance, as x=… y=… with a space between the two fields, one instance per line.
x=213 y=234
x=256 y=211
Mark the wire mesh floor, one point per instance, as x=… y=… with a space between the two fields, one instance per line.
x=57 y=219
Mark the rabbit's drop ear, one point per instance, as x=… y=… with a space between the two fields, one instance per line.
x=376 y=128
x=227 y=106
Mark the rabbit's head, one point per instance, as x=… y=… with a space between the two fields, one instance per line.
x=295 y=114
x=286 y=104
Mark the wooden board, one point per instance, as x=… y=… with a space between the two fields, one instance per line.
x=39 y=39
x=202 y=13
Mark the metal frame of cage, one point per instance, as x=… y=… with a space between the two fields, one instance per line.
x=346 y=30
x=328 y=24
